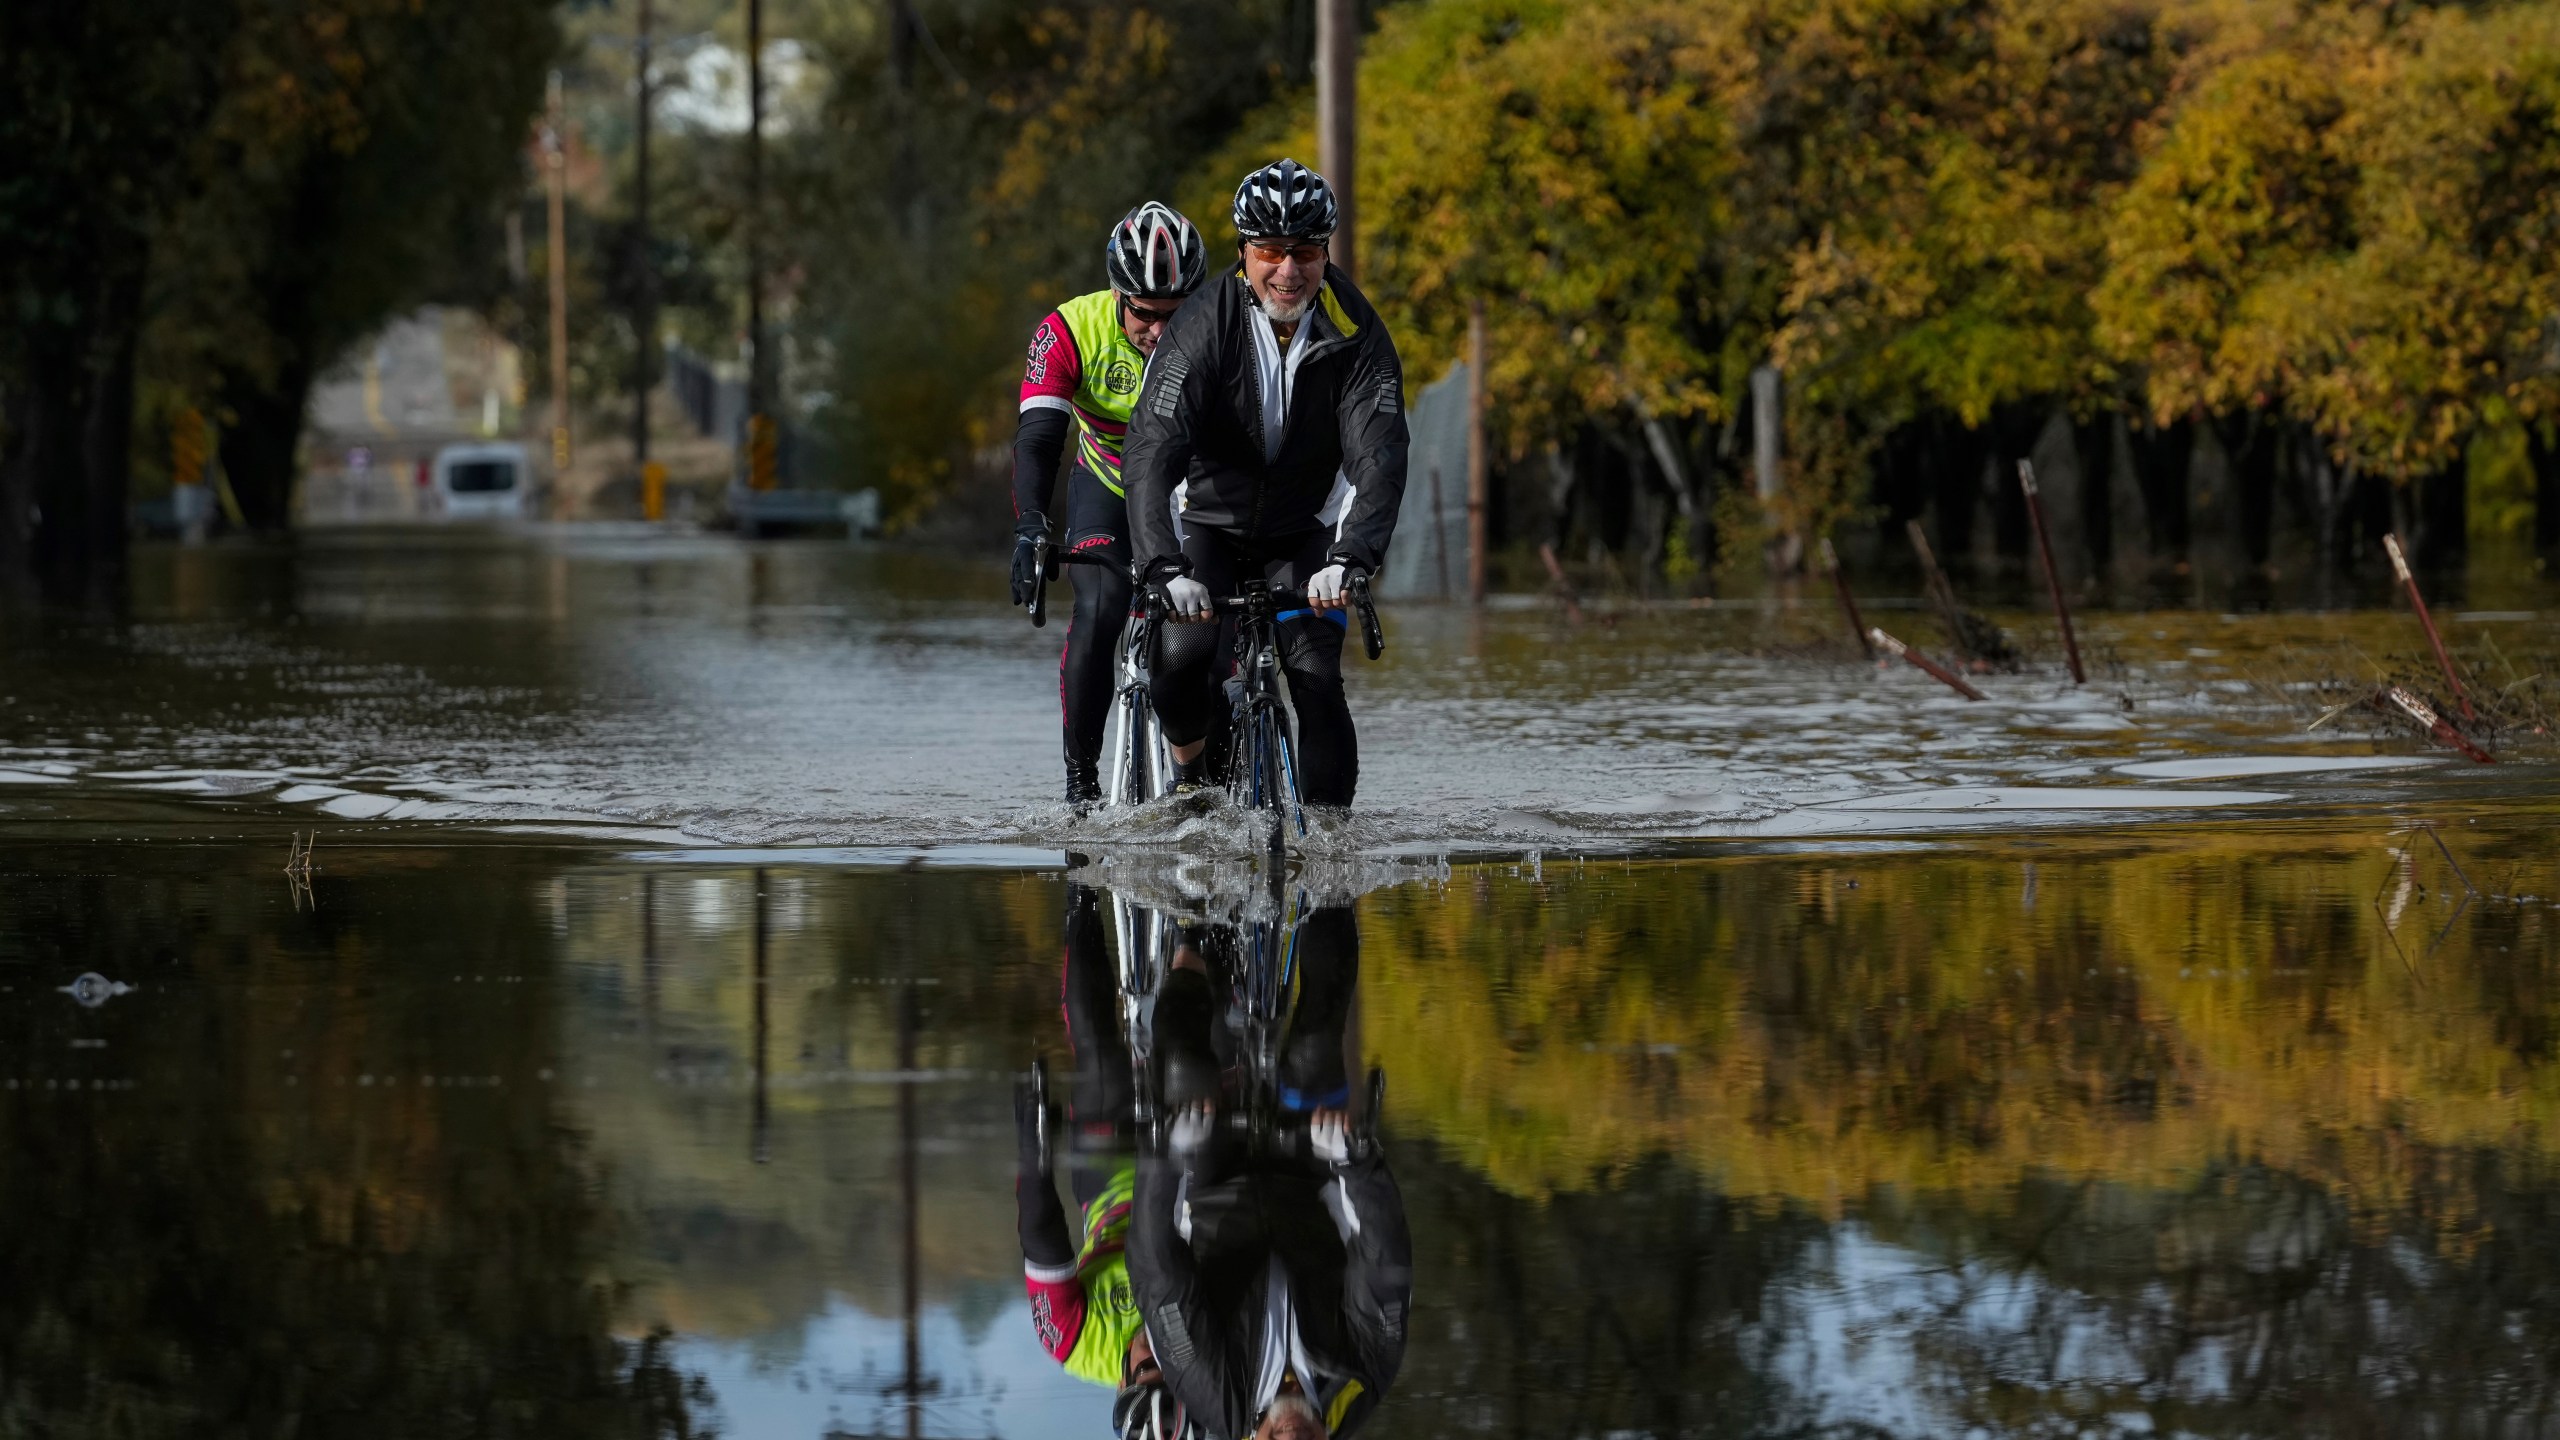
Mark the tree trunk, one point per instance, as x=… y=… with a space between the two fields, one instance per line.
x=1956 y=487
x=2542 y=447
x=2162 y=457
x=2093 y=454
x=42 y=448
x=2440 y=505
x=259 y=445
x=2064 y=495
x=106 y=433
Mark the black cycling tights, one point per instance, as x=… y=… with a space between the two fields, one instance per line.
x=1190 y=663
x=1314 y=1074
x=1097 y=520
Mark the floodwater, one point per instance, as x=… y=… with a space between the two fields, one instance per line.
x=1774 y=1046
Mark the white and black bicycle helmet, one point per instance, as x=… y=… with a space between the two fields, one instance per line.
x=1148 y=1411
x=1155 y=254
x=1285 y=199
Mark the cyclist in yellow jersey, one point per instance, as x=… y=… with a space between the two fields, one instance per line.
x=1087 y=358
x=1082 y=1308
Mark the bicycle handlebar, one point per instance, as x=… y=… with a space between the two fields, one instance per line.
x=1046 y=558
x=1372 y=637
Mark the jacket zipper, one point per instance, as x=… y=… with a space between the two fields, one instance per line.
x=1262 y=418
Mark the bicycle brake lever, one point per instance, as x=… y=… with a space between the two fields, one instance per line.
x=1042 y=568
x=1371 y=637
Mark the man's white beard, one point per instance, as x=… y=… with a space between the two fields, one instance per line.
x=1292 y=1402
x=1287 y=314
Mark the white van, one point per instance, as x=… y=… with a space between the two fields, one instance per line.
x=484 y=481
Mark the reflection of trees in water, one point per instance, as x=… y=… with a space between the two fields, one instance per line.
x=719 y=1243
x=2252 y=1303
x=1640 y=1306
x=2169 y=1140
x=1816 y=1028
x=218 y=1252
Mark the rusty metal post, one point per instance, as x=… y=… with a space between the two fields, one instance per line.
x=2052 y=575
x=2418 y=710
x=1921 y=662
x=2418 y=602
x=1848 y=602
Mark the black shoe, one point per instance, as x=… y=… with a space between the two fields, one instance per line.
x=1192 y=778
x=1084 y=792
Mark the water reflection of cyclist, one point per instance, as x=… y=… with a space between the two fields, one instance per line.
x=1084 y=367
x=1274 y=1291
x=1081 y=1302
x=1276 y=403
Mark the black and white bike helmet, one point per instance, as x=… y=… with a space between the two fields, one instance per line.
x=1155 y=254
x=1148 y=1411
x=1285 y=199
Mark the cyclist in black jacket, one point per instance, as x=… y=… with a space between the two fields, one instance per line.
x=1274 y=1292
x=1268 y=443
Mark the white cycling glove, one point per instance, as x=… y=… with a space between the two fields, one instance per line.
x=1188 y=597
x=1191 y=1132
x=1325 y=588
x=1330 y=1137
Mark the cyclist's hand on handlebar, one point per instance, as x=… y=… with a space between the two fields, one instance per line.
x=1191 y=1132
x=1329 y=1136
x=1328 y=588
x=1188 y=598
x=1028 y=532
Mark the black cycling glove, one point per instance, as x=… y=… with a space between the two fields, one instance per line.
x=1028 y=532
x=1030 y=1131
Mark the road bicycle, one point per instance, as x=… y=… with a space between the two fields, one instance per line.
x=1262 y=750
x=1262 y=958
x=1141 y=763
x=1262 y=746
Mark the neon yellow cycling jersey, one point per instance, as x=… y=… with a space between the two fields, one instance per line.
x=1085 y=1313
x=1081 y=361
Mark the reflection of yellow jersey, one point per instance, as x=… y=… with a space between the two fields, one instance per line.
x=1086 y=1315
x=1081 y=361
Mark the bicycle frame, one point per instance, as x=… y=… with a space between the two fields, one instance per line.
x=1261 y=990
x=1264 y=753
x=1141 y=763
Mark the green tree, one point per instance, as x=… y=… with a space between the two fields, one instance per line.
x=98 y=103
x=960 y=180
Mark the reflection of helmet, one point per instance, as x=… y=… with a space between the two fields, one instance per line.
x=1155 y=254
x=1148 y=1411
x=1284 y=198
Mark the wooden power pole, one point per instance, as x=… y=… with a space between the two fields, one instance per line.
x=761 y=448
x=644 y=316
x=1337 y=134
x=556 y=165
x=1476 y=481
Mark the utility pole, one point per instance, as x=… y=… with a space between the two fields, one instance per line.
x=1337 y=125
x=760 y=440
x=759 y=1117
x=1476 y=477
x=556 y=163
x=644 y=313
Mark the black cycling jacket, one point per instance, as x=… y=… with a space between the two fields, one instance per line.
x=1199 y=418
x=1204 y=1299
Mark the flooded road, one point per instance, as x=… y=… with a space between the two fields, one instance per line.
x=826 y=695
x=2194 y=1131
x=1772 y=1046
